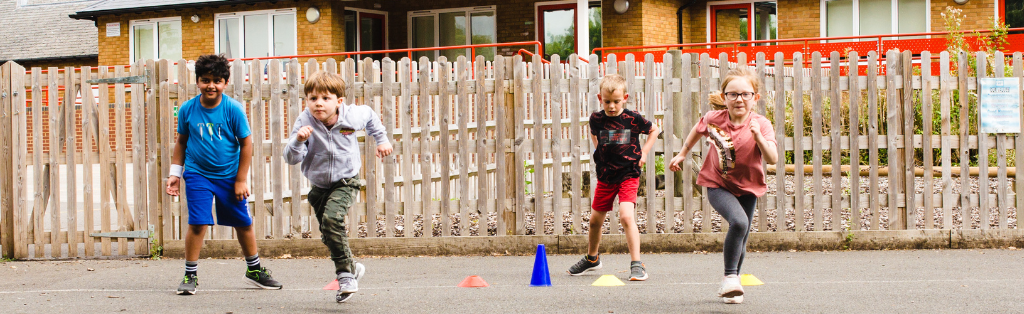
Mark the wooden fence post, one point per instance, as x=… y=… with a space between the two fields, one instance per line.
x=964 y=145
x=909 y=211
x=984 y=208
x=19 y=148
x=678 y=117
x=835 y=132
x=892 y=131
x=6 y=186
x=686 y=115
x=519 y=107
x=504 y=109
x=70 y=145
x=13 y=237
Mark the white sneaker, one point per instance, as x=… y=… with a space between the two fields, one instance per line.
x=733 y=300
x=731 y=287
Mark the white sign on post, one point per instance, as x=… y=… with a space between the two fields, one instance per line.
x=114 y=29
x=999 y=108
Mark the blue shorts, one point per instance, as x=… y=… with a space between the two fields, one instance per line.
x=201 y=191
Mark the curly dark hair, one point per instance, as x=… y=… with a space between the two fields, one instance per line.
x=216 y=65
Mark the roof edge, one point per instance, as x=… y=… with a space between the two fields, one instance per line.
x=52 y=58
x=94 y=14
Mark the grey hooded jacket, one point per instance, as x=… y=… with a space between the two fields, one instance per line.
x=328 y=156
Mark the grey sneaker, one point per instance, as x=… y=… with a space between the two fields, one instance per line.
x=188 y=285
x=348 y=283
x=585 y=265
x=261 y=278
x=637 y=271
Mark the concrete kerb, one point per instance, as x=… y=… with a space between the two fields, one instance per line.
x=650 y=243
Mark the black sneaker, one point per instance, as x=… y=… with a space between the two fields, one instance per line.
x=637 y=271
x=188 y=285
x=261 y=278
x=348 y=283
x=585 y=265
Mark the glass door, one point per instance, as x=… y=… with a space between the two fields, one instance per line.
x=556 y=29
x=730 y=22
x=733 y=22
x=365 y=31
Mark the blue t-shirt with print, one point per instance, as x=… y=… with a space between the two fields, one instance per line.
x=213 y=136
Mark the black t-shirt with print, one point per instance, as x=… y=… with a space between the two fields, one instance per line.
x=618 y=144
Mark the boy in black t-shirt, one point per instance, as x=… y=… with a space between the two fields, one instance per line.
x=615 y=132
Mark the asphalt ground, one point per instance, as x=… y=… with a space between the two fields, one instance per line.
x=916 y=281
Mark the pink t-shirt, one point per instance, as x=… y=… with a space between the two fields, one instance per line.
x=746 y=176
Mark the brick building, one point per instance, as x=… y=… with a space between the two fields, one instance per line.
x=246 y=28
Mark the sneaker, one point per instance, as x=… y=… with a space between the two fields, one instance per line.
x=733 y=300
x=188 y=285
x=584 y=265
x=348 y=283
x=637 y=271
x=261 y=278
x=731 y=287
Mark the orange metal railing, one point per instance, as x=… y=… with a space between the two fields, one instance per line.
x=864 y=43
x=409 y=51
x=527 y=52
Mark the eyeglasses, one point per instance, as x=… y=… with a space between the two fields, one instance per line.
x=733 y=96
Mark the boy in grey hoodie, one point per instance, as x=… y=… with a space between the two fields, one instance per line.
x=323 y=139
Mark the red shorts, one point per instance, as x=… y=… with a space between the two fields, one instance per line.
x=604 y=195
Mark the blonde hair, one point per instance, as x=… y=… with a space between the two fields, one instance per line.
x=325 y=82
x=612 y=82
x=741 y=72
x=716 y=100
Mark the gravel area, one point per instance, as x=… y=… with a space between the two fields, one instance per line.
x=787 y=220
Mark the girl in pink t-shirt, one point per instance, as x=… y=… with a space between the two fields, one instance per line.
x=732 y=173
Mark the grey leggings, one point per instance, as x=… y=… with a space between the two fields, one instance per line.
x=738 y=211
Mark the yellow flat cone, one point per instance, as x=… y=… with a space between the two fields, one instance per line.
x=750 y=280
x=608 y=281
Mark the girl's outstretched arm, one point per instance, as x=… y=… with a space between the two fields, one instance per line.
x=691 y=140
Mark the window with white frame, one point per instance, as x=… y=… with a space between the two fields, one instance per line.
x=155 y=39
x=453 y=27
x=256 y=34
x=874 y=17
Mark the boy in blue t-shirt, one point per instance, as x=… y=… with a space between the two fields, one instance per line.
x=215 y=148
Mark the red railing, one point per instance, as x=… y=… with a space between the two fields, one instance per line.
x=408 y=51
x=527 y=52
x=879 y=43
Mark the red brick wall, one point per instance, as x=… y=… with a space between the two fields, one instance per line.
x=660 y=25
x=978 y=14
x=44 y=132
x=198 y=38
x=624 y=29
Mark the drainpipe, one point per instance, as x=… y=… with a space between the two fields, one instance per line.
x=679 y=18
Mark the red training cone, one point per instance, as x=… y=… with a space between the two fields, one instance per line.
x=332 y=286
x=473 y=282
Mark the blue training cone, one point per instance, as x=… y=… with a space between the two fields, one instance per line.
x=541 y=275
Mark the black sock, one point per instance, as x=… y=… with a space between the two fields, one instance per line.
x=592 y=258
x=253 y=262
x=191 y=268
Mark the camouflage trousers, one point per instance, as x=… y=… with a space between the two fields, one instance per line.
x=331 y=207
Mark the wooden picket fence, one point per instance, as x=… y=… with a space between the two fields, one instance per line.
x=501 y=147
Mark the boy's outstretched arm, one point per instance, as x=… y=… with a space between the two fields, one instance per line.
x=295 y=151
x=177 y=159
x=244 y=159
x=376 y=129
x=651 y=139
